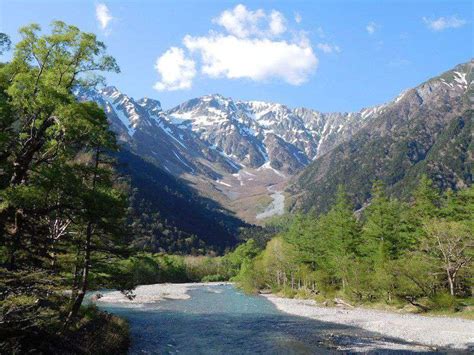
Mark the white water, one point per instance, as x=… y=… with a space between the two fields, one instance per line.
x=276 y=207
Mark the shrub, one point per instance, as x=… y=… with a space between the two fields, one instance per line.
x=444 y=301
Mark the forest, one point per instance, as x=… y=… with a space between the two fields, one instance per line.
x=62 y=204
x=393 y=252
x=69 y=221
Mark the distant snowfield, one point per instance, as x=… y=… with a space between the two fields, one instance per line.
x=277 y=207
x=455 y=333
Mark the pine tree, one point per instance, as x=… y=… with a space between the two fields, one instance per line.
x=381 y=226
x=341 y=235
x=427 y=199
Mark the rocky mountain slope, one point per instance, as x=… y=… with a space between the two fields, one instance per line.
x=225 y=134
x=426 y=130
x=240 y=153
x=231 y=151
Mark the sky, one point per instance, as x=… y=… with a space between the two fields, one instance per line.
x=325 y=55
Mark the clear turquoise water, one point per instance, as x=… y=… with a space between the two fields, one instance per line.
x=219 y=319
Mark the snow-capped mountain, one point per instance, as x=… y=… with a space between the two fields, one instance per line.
x=254 y=133
x=238 y=149
x=214 y=133
x=230 y=149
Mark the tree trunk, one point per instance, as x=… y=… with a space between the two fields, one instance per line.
x=22 y=163
x=85 y=277
x=87 y=254
x=15 y=245
x=451 y=283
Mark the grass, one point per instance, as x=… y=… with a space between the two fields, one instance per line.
x=100 y=333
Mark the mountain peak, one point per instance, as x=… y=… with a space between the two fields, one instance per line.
x=110 y=91
x=150 y=104
x=217 y=100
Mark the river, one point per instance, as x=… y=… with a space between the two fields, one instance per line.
x=219 y=319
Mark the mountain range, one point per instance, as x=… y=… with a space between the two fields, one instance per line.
x=246 y=155
x=426 y=130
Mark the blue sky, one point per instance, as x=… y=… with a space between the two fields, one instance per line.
x=326 y=55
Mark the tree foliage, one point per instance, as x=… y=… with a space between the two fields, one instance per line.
x=419 y=252
x=5 y=43
x=62 y=206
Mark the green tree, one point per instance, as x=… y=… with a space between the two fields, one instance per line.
x=46 y=123
x=304 y=235
x=341 y=238
x=425 y=205
x=244 y=252
x=427 y=199
x=459 y=206
x=62 y=206
x=383 y=233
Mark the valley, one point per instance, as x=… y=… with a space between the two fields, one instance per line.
x=234 y=151
x=231 y=151
x=234 y=216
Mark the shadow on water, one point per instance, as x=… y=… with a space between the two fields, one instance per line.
x=222 y=320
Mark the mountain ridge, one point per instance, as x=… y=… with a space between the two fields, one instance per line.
x=216 y=143
x=427 y=130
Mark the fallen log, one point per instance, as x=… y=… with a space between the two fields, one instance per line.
x=340 y=302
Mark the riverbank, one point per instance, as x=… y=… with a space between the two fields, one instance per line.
x=448 y=332
x=154 y=293
x=98 y=333
x=95 y=332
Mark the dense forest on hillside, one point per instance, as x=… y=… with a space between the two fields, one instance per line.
x=396 y=252
x=167 y=215
x=428 y=130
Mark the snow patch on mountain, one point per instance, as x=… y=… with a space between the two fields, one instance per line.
x=126 y=121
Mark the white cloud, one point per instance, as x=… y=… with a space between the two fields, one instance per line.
x=298 y=17
x=256 y=59
x=103 y=15
x=328 y=48
x=277 y=23
x=443 y=23
x=371 y=28
x=243 y=23
x=177 y=71
x=252 y=44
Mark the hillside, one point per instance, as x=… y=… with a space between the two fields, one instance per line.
x=243 y=154
x=167 y=215
x=426 y=130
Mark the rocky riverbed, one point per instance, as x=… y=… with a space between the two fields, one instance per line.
x=454 y=333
